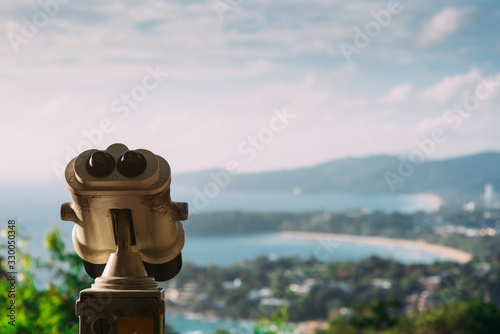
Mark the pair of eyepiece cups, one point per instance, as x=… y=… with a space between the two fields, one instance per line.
x=130 y=164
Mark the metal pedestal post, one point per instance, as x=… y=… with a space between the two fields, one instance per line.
x=124 y=300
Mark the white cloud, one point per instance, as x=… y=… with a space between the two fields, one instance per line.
x=397 y=94
x=226 y=78
x=425 y=125
x=449 y=87
x=224 y=70
x=443 y=24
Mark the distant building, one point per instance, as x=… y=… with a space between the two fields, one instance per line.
x=454 y=229
x=469 y=206
x=179 y=297
x=411 y=303
x=426 y=300
x=488 y=196
x=232 y=285
x=431 y=283
x=381 y=283
x=304 y=288
x=345 y=311
x=344 y=286
x=273 y=303
x=255 y=294
x=220 y=304
x=299 y=289
x=482 y=269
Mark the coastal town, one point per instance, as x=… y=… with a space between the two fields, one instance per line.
x=314 y=292
x=310 y=290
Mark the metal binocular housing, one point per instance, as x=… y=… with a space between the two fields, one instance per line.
x=102 y=182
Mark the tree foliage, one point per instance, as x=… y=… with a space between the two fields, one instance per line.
x=465 y=317
x=51 y=309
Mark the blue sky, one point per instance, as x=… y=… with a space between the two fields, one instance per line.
x=201 y=82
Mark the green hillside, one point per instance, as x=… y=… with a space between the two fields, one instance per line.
x=382 y=174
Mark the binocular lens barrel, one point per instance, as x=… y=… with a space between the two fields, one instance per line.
x=100 y=164
x=131 y=164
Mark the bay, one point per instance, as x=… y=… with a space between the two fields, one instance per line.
x=37 y=212
x=224 y=251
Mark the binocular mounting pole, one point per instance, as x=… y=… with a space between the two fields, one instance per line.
x=124 y=300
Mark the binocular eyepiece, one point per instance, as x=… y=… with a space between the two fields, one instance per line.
x=138 y=181
x=130 y=164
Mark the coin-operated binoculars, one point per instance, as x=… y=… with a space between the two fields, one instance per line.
x=128 y=233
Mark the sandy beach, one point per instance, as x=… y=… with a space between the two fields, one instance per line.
x=450 y=253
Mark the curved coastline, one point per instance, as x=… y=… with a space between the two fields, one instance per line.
x=453 y=254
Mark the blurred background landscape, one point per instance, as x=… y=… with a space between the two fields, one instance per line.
x=288 y=125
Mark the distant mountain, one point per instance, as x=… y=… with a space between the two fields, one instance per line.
x=381 y=174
